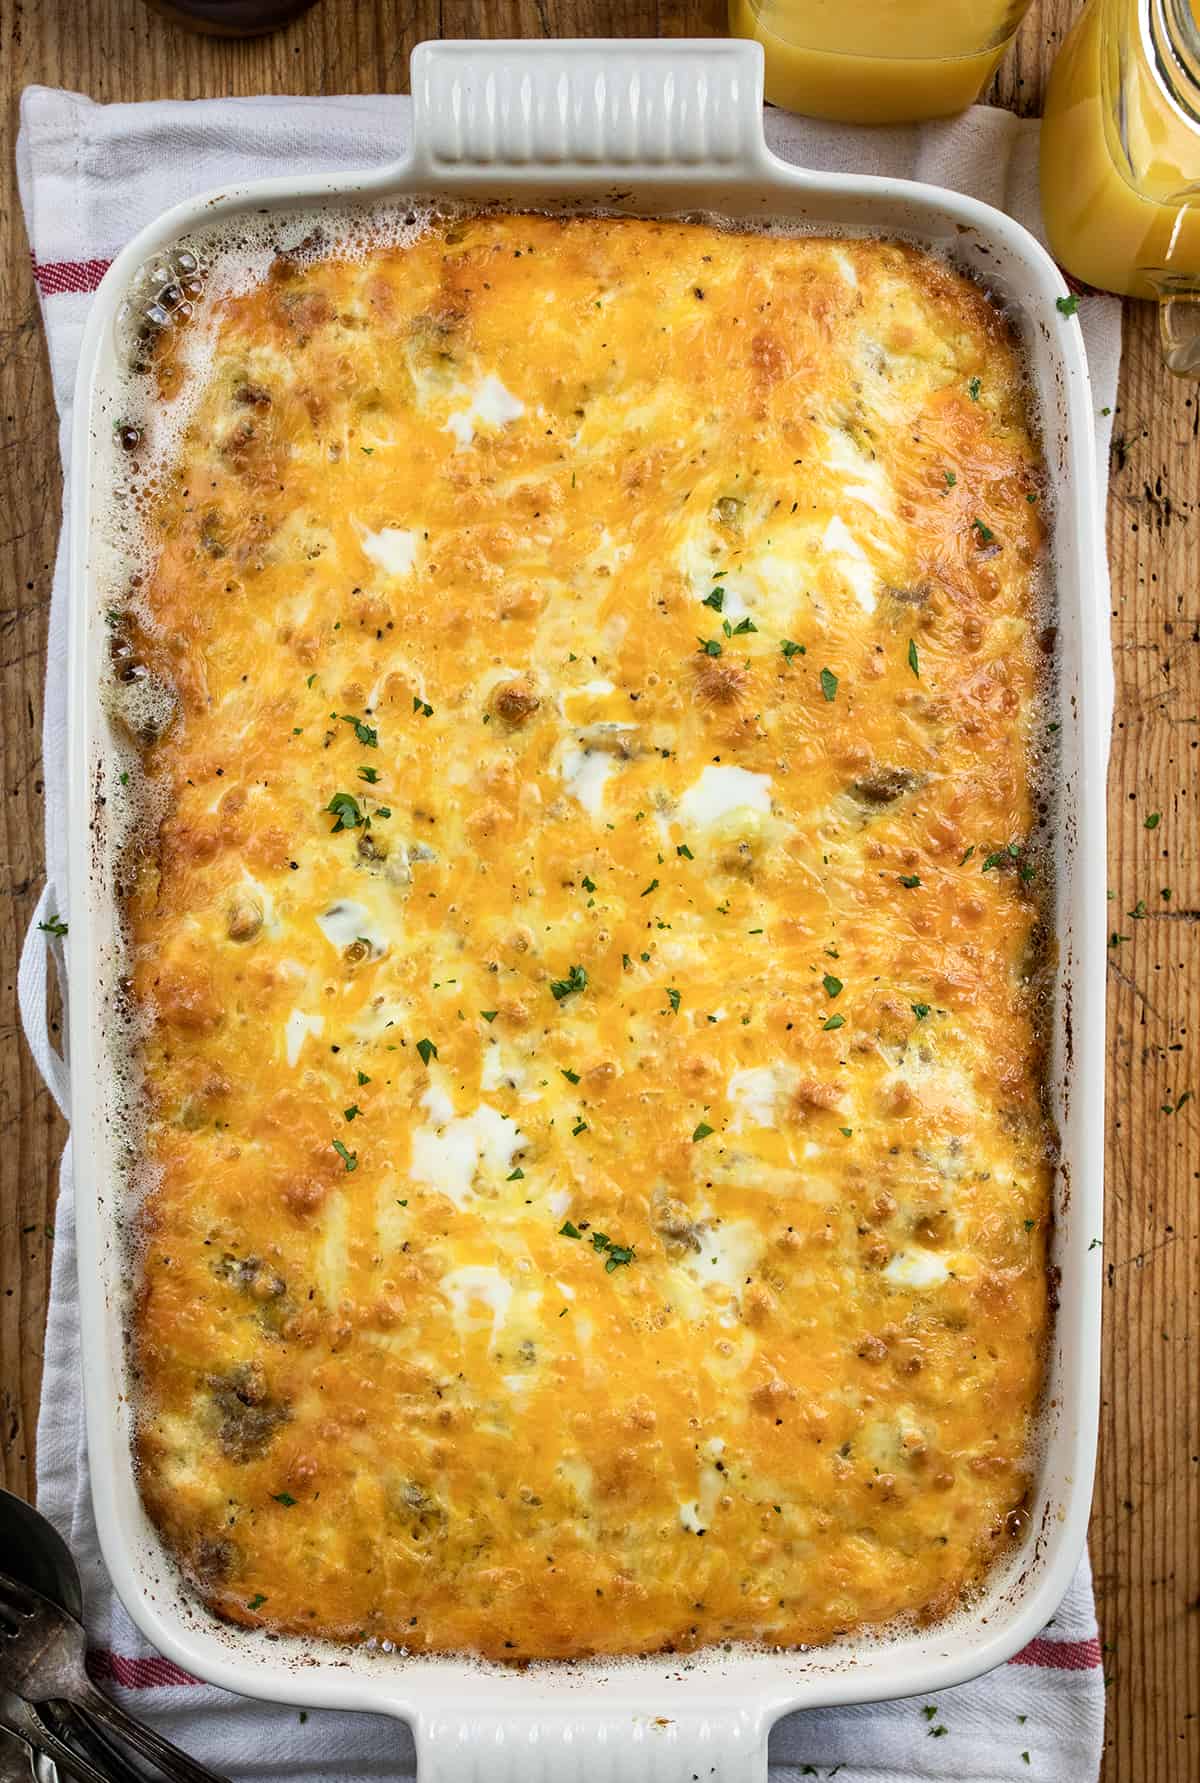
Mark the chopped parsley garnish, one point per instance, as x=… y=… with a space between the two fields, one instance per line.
x=715 y=600
x=614 y=1254
x=363 y=1078
x=653 y=886
x=352 y=1113
x=589 y=885
x=911 y=880
x=673 y=1000
x=578 y=1128
x=701 y=1131
x=973 y=389
x=55 y=926
x=1138 y=911
x=427 y=1050
x=1066 y=306
x=913 y=660
x=951 y=479
x=517 y=1175
x=284 y=1498
x=1153 y=821
x=257 y=1601
x=576 y=980
x=571 y=1076
x=986 y=535
x=363 y=731
x=345 y=807
x=684 y=851
x=423 y=707
x=370 y=775
x=833 y=986
x=744 y=625
x=920 y=1010
x=711 y=646
x=489 y=1015
x=995 y=859
x=790 y=648
x=829 y=684
x=349 y=1159
x=835 y=1021
x=967 y=855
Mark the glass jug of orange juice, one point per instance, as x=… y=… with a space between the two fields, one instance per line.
x=878 y=61
x=1121 y=159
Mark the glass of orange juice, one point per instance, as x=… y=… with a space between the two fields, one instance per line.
x=878 y=61
x=1121 y=159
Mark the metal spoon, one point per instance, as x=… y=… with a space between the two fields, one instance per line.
x=42 y=1658
x=35 y=1553
x=22 y=1722
x=16 y=1758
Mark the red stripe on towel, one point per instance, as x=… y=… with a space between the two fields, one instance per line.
x=1064 y=1656
x=56 y=276
x=136 y=1674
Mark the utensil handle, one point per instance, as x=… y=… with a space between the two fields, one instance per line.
x=615 y=109
x=104 y=1750
x=1179 y=324
x=22 y=1719
x=598 y=1747
x=170 y=1759
x=41 y=944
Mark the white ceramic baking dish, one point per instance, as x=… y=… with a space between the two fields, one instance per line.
x=646 y=128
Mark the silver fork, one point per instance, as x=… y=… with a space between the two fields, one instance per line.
x=16 y=1758
x=84 y=1752
x=42 y=1658
x=22 y=1721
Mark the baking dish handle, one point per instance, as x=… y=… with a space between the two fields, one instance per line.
x=613 y=109
x=596 y=1745
x=44 y=938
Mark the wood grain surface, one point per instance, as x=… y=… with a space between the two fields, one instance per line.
x=1146 y=1522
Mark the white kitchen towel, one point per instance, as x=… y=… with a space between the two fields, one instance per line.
x=90 y=176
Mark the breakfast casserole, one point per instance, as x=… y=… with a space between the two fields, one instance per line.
x=589 y=959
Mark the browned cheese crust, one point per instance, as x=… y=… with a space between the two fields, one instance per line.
x=598 y=1173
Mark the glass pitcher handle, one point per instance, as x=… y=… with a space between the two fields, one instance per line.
x=1178 y=323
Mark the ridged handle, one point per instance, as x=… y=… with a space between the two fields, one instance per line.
x=673 y=109
x=594 y=1746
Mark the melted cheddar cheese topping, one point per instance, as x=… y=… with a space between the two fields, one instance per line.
x=591 y=961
